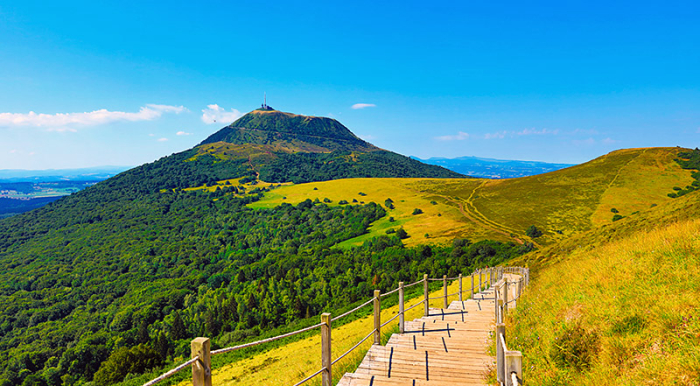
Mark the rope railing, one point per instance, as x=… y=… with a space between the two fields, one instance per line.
x=508 y=362
x=201 y=353
x=353 y=310
x=274 y=338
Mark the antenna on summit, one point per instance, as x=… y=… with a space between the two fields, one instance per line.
x=264 y=105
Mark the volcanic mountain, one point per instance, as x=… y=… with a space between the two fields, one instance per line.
x=281 y=147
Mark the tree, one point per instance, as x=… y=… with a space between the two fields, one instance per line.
x=401 y=233
x=178 y=330
x=417 y=211
x=533 y=232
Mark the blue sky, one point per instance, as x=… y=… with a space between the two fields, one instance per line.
x=124 y=83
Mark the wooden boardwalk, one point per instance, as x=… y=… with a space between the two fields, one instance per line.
x=448 y=347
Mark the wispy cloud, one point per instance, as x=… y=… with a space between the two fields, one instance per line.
x=524 y=132
x=182 y=133
x=215 y=113
x=367 y=137
x=162 y=139
x=461 y=136
x=584 y=142
x=358 y=106
x=498 y=135
x=609 y=141
x=534 y=131
x=69 y=121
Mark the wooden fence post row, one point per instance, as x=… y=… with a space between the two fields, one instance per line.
x=401 y=308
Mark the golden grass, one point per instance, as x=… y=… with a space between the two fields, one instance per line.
x=291 y=363
x=638 y=296
x=442 y=222
x=562 y=203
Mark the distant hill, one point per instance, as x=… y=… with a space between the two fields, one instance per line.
x=50 y=175
x=493 y=168
x=24 y=190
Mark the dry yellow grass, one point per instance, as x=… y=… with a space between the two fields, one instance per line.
x=634 y=303
x=561 y=203
x=442 y=222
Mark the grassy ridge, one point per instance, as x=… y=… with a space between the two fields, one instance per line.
x=624 y=313
x=563 y=203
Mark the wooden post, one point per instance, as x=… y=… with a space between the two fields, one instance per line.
x=444 y=291
x=425 y=294
x=499 y=317
x=326 y=362
x=201 y=369
x=460 y=287
x=472 y=285
x=495 y=298
x=481 y=281
x=500 y=354
x=401 y=308
x=514 y=364
x=377 y=317
x=505 y=296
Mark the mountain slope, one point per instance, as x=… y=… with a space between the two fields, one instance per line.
x=617 y=305
x=570 y=201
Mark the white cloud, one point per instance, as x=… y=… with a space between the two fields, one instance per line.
x=67 y=121
x=534 y=131
x=182 y=133
x=498 y=135
x=162 y=139
x=215 y=113
x=358 y=106
x=459 y=137
x=609 y=141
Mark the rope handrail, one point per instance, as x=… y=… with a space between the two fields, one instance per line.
x=171 y=372
x=412 y=284
x=353 y=310
x=353 y=347
x=503 y=342
x=389 y=293
x=310 y=376
x=434 y=279
x=274 y=338
x=389 y=321
x=414 y=306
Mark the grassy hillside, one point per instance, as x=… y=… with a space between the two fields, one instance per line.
x=562 y=203
x=620 y=309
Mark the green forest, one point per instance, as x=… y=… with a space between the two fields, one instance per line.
x=126 y=286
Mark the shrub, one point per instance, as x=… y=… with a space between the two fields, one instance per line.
x=342 y=202
x=433 y=202
x=533 y=232
x=402 y=234
x=614 y=210
x=617 y=217
x=327 y=200
x=575 y=347
x=390 y=231
x=417 y=211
